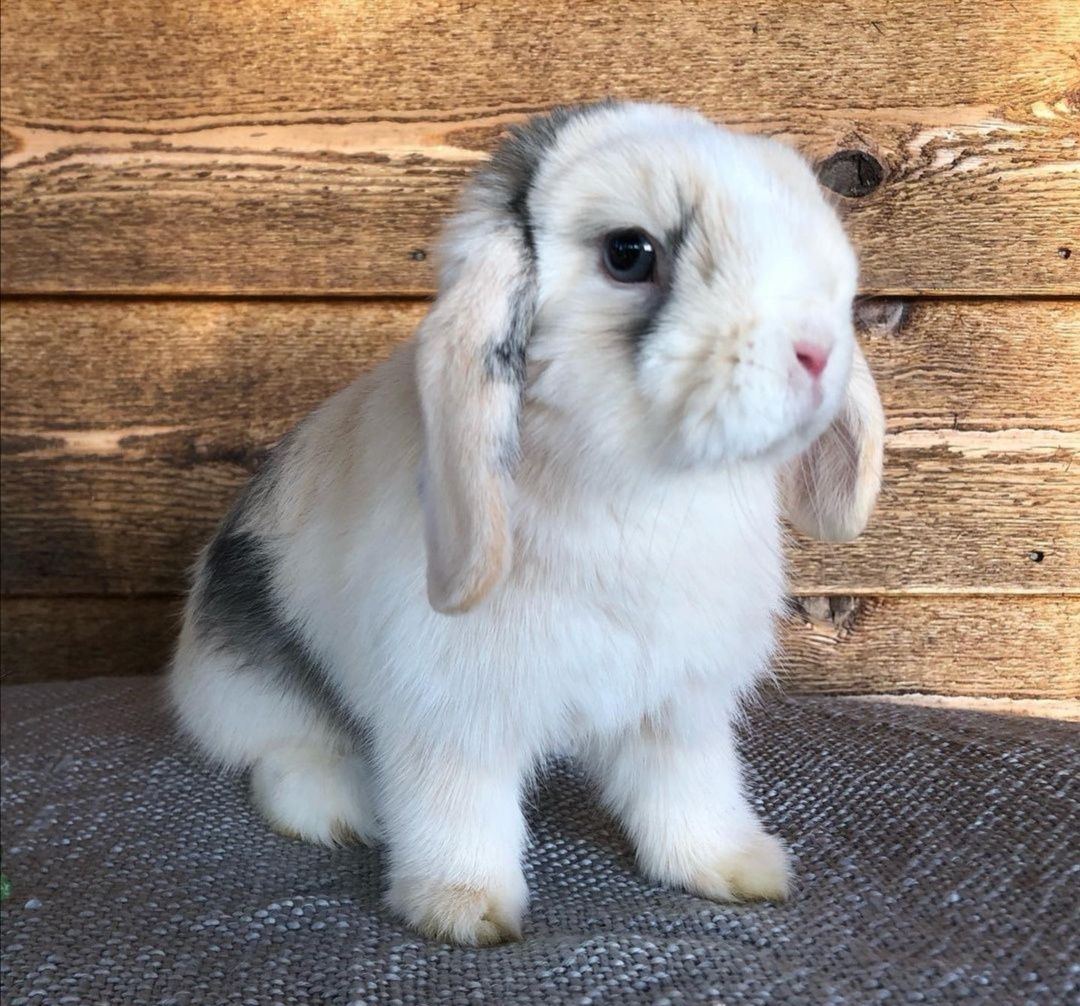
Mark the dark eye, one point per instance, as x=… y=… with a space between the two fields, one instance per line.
x=629 y=256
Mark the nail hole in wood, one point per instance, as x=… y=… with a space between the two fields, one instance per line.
x=418 y=255
x=1035 y=555
x=1064 y=252
x=851 y=173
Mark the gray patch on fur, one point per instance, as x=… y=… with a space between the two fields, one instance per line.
x=645 y=326
x=674 y=246
x=675 y=237
x=516 y=160
x=236 y=605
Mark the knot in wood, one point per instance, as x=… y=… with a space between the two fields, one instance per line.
x=851 y=173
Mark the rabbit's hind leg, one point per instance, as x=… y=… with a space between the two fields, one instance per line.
x=308 y=778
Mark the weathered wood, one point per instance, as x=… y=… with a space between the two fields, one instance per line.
x=1008 y=646
x=128 y=426
x=974 y=366
x=1016 y=646
x=265 y=149
x=84 y=637
x=960 y=514
x=886 y=53
x=219 y=373
x=104 y=366
x=1050 y=709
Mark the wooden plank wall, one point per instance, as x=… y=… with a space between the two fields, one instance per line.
x=214 y=214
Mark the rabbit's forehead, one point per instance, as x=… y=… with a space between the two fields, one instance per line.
x=671 y=175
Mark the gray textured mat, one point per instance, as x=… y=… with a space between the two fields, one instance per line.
x=937 y=860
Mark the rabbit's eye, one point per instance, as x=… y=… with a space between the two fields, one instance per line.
x=629 y=256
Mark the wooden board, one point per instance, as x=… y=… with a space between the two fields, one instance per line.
x=80 y=364
x=217 y=372
x=129 y=425
x=84 y=637
x=1009 y=646
x=259 y=147
x=119 y=523
x=949 y=645
x=99 y=364
x=1050 y=709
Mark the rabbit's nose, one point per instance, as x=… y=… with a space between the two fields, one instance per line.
x=812 y=357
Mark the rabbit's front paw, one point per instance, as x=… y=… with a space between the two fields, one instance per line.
x=756 y=869
x=468 y=914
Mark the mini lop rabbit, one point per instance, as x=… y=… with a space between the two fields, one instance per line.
x=550 y=525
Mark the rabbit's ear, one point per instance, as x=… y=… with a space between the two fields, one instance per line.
x=830 y=490
x=471 y=377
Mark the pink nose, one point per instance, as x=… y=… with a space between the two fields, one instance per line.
x=812 y=357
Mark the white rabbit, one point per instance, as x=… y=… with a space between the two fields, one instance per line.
x=643 y=323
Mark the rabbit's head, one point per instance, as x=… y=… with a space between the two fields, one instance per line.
x=666 y=293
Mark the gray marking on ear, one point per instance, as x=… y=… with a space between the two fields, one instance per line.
x=504 y=186
x=504 y=360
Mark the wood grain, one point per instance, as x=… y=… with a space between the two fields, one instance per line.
x=52 y=639
x=961 y=513
x=219 y=372
x=1051 y=709
x=74 y=365
x=1020 y=647
x=1007 y=646
x=264 y=148
x=129 y=425
x=120 y=523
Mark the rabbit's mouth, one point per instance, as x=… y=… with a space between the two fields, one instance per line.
x=715 y=422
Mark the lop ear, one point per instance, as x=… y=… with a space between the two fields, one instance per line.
x=471 y=375
x=830 y=490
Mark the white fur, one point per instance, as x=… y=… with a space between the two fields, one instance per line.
x=646 y=571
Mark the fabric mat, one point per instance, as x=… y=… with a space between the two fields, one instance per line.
x=936 y=854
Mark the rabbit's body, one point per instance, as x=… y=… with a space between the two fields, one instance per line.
x=627 y=603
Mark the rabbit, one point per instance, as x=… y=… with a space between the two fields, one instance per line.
x=550 y=525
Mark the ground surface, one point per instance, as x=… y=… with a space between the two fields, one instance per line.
x=936 y=856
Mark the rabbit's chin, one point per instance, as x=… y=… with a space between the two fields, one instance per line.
x=715 y=444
